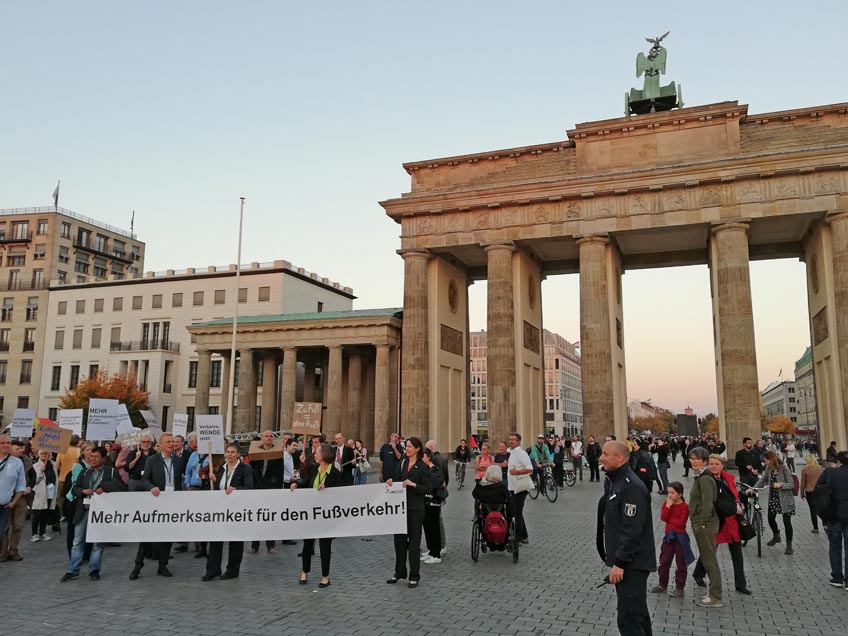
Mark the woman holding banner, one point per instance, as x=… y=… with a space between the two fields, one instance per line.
x=416 y=477
x=232 y=475
x=322 y=474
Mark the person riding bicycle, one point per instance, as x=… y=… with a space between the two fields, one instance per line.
x=462 y=453
x=541 y=456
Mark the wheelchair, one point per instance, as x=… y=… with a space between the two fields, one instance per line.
x=482 y=543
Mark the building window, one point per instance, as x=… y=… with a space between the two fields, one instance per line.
x=77 y=339
x=198 y=298
x=192 y=374
x=320 y=306
x=26 y=371
x=166 y=377
x=93 y=370
x=145 y=335
x=56 y=378
x=40 y=252
x=74 y=376
x=63 y=276
x=3 y=365
x=29 y=339
x=157 y=301
x=264 y=294
x=98 y=305
x=52 y=413
x=95 y=337
x=115 y=338
x=177 y=300
x=242 y=294
x=215 y=373
x=136 y=302
x=23 y=402
x=190 y=413
x=80 y=309
x=81 y=279
x=6 y=311
x=66 y=230
x=118 y=304
x=32 y=308
x=260 y=373
x=59 y=340
x=214 y=410
x=42 y=227
x=165 y=414
x=220 y=296
x=258 y=417
x=63 y=254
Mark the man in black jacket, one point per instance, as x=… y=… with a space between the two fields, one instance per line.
x=161 y=474
x=593 y=455
x=747 y=460
x=837 y=528
x=344 y=459
x=95 y=480
x=441 y=463
x=625 y=539
x=267 y=475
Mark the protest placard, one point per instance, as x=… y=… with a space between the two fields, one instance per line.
x=23 y=422
x=152 y=424
x=130 y=439
x=179 y=425
x=50 y=436
x=247 y=515
x=123 y=424
x=210 y=433
x=71 y=419
x=102 y=419
x=256 y=451
x=306 y=419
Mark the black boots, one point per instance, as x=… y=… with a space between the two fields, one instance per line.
x=775 y=539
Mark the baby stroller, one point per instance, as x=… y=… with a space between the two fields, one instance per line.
x=493 y=529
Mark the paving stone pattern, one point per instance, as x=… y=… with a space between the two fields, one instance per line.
x=551 y=591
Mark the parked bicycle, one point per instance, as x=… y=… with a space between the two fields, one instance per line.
x=545 y=484
x=754 y=515
x=570 y=477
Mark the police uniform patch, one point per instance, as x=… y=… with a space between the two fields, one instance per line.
x=630 y=510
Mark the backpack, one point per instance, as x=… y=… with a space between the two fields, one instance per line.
x=495 y=528
x=796 y=485
x=725 y=503
x=643 y=467
x=821 y=499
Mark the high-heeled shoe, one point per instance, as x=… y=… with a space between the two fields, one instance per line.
x=395 y=579
x=323 y=585
x=303 y=578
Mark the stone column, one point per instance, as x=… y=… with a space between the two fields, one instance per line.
x=269 y=392
x=331 y=423
x=839 y=238
x=501 y=342
x=595 y=339
x=246 y=410
x=309 y=378
x=225 y=391
x=350 y=426
x=382 y=405
x=366 y=412
x=734 y=331
x=201 y=394
x=289 y=388
x=415 y=367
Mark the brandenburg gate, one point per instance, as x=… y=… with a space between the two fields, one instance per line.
x=705 y=185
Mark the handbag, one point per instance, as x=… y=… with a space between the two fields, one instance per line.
x=746 y=530
x=363 y=465
x=522 y=483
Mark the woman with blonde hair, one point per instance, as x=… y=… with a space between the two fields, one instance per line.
x=781 y=501
x=809 y=476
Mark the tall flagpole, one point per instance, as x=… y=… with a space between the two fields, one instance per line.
x=231 y=387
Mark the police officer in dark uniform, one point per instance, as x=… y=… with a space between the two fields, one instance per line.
x=626 y=539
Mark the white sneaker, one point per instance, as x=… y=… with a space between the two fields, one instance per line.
x=443 y=550
x=430 y=560
x=46 y=537
x=424 y=556
x=35 y=538
x=424 y=553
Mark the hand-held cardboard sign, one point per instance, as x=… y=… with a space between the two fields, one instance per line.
x=102 y=420
x=306 y=419
x=152 y=424
x=71 y=419
x=210 y=433
x=123 y=423
x=179 y=425
x=23 y=422
x=49 y=436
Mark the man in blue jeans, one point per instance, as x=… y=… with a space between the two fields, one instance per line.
x=837 y=525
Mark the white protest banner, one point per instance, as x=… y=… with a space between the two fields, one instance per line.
x=23 y=422
x=123 y=424
x=179 y=425
x=349 y=511
x=102 y=419
x=152 y=424
x=210 y=430
x=71 y=419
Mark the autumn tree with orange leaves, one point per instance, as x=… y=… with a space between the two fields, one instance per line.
x=103 y=386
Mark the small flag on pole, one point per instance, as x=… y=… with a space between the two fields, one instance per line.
x=56 y=196
x=132 y=221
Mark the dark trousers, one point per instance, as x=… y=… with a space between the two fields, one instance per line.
x=216 y=554
x=837 y=533
x=736 y=555
x=408 y=546
x=594 y=472
x=632 y=593
x=559 y=474
x=787 y=524
x=326 y=548
x=518 y=500
x=813 y=516
x=164 y=554
x=39 y=520
x=669 y=551
x=432 y=531
x=268 y=544
x=663 y=475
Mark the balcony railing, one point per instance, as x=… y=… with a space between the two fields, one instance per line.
x=91 y=245
x=16 y=237
x=146 y=345
x=23 y=285
x=45 y=208
x=29 y=346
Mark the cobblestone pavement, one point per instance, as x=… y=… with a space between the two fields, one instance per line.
x=552 y=590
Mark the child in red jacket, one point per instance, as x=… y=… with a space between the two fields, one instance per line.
x=675 y=513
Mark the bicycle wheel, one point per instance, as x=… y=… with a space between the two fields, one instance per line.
x=551 y=490
x=570 y=478
x=758 y=526
x=534 y=491
x=476 y=538
x=460 y=476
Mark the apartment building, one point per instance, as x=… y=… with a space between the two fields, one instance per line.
x=563 y=385
x=780 y=398
x=805 y=385
x=38 y=245
x=137 y=327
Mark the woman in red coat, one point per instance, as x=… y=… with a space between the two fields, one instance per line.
x=728 y=531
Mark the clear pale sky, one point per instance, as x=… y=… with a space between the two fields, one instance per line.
x=176 y=109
